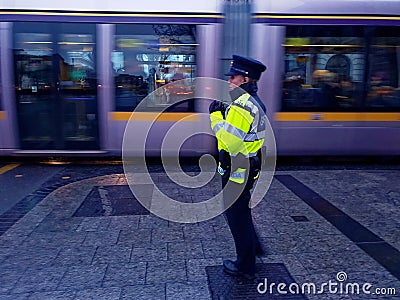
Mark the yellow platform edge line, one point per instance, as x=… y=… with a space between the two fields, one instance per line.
x=150 y=116
x=8 y=168
x=111 y=14
x=332 y=117
x=332 y=17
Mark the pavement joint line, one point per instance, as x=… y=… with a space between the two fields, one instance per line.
x=8 y=167
x=377 y=248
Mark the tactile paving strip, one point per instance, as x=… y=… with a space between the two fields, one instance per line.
x=223 y=286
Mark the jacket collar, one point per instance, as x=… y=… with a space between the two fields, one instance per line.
x=250 y=88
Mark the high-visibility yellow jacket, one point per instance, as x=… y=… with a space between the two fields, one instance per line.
x=241 y=130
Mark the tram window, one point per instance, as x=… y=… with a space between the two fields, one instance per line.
x=324 y=68
x=55 y=85
x=383 y=92
x=148 y=57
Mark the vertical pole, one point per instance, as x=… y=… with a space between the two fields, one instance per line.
x=105 y=89
x=236 y=32
x=11 y=136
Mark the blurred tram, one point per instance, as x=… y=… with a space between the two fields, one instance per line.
x=72 y=72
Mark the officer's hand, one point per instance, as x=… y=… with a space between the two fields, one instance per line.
x=217 y=106
x=224 y=159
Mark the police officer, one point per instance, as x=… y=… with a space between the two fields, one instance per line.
x=240 y=130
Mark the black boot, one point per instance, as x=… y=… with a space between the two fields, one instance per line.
x=231 y=268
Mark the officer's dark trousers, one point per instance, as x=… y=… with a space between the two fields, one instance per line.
x=240 y=221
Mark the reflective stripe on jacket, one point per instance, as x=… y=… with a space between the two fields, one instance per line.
x=242 y=130
x=217 y=122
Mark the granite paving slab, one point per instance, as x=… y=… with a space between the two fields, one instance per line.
x=51 y=253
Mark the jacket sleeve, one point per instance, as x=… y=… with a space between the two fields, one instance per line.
x=234 y=129
x=217 y=119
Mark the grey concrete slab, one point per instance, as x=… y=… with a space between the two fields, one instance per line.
x=335 y=261
x=196 y=268
x=193 y=290
x=8 y=279
x=94 y=224
x=151 y=221
x=112 y=254
x=25 y=256
x=120 y=274
x=82 y=278
x=99 y=293
x=221 y=233
x=61 y=295
x=149 y=252
x=75 y=256
x=99 y=238
x=291 y=261
x=128 y=223
x=135 y=237
x=4 y=252
x=174 y=234
x=218 y=248
x=39 y=279
x=197 y=233
x=54 y=239
x=22 y=296
x=185 y=250
x=166 y=271
x=51 y=223
x=144 y=292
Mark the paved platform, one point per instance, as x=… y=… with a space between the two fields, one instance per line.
x=82 y=235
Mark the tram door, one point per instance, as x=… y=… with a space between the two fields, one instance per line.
x=55 y=85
